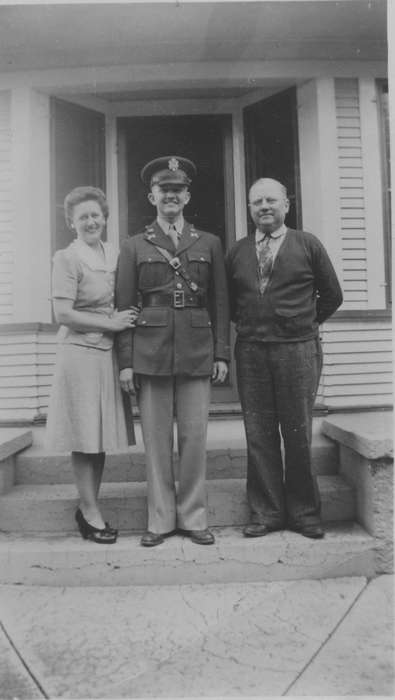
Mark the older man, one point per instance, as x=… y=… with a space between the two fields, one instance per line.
x=177 y=275
x=282 y=286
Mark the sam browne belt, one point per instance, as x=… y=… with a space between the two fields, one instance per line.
x=177 y=299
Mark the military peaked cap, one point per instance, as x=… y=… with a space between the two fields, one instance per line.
x=168 y=170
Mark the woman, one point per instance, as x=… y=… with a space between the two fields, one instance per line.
x=86 y=414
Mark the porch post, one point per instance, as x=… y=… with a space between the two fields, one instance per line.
x=319 y=176
x=239 y=174
x=112 y=180
x=30 y=128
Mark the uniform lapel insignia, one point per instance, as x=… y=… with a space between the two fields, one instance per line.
x=157 y=236
x=188 y=238
x=149 y=233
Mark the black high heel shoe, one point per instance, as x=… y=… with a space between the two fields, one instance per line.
x=111 y=529
x=88 y=532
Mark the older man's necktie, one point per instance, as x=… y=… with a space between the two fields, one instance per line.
x=174 y=235
x=265 y=262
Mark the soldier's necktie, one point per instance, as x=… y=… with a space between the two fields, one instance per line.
x=174 y=235
x=265 y=262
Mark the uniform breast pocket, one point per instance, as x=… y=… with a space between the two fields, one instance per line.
x=153 y=272
x=199 y=265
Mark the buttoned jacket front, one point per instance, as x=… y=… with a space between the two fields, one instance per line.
x=167 y=340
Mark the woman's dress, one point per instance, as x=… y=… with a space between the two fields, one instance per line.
x=87 y=412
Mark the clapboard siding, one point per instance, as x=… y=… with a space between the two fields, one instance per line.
x=26 y=369
x=6 y=210
x=358 y=363
x=352 y=195
x=357 y=370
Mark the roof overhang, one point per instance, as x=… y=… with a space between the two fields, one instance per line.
x=105 y=37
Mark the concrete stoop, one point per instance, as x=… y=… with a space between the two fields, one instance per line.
x=39 y=542
x=67 y=560
x=51 y=508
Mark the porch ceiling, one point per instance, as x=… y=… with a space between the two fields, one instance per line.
x=67 y=36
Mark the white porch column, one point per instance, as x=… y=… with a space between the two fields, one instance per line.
x=30 y=131
x=318 y=164
x=112 y=180
x=239 y=174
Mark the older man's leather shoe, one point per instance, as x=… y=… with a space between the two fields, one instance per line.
x=151 y=539
x=200 y=536
x=313 y=530
x=258 y=530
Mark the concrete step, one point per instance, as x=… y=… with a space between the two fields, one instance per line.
x=50 y=508
x=226 y=458
x=67 y=560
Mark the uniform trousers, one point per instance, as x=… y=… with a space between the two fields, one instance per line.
x=161 y=401
x=277 y=384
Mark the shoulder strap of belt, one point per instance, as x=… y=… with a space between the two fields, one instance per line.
x=175 y=263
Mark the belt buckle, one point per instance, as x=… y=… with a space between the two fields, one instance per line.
x=178 y=299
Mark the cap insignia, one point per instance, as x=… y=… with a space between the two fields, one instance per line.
x=173 y=164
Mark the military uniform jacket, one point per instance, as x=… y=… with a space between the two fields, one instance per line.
x=167 y=340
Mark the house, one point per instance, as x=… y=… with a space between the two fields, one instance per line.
x=295 y=90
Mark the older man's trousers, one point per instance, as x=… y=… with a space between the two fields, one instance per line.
x=277 y=384
x=161 y=401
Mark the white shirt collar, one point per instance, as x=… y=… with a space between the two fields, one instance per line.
x=259 y=236
x=165 y=225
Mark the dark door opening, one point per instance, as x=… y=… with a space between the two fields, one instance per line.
x=77 y=158
x=203 y=139
x=271 y=147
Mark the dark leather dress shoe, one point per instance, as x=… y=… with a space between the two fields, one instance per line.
x=151 y=539
x=314 y=531
x=200 y=536
x=258 y=530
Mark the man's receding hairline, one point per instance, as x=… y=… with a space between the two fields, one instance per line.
x=262 y=180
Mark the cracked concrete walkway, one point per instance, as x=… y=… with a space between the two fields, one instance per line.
x=317 y=638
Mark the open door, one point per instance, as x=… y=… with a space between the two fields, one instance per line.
x=77 y=158
x=271 y=147
x=207 y=141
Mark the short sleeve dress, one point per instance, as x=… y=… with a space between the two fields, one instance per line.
x=87 y=412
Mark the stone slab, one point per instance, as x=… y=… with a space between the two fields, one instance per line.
x=370 y=433
x=12 y=440
x=226 y=457
x=68 y=560
x=178 y=641
x=51 y=508
x=359 y=657
x=15 y=681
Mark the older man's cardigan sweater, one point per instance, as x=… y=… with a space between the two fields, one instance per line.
x=303 y=290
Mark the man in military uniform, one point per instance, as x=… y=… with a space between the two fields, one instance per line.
x=176 y=274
